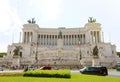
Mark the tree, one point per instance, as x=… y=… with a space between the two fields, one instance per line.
x=17 y=50
x=3 y=54
x=118 y=53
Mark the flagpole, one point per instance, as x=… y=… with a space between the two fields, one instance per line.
x=36 y=55
x=79 y=47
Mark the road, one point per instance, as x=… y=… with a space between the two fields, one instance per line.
x=111 y=72
x=11 y=71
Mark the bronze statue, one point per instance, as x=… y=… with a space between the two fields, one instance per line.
x=91 y=20
x=32 y=21
x=60 y=34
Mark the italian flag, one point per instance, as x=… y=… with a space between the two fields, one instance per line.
x=79 y=43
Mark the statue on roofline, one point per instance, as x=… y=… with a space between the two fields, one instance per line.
x=91 y=20
x=32 y=21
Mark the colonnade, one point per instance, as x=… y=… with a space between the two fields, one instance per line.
x=67 y=39
x=95 y=36
x=71 y=39
x=27 y=37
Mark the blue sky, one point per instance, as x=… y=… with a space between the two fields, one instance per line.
x=58 y=13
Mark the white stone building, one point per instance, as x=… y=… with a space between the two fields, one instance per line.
x=59 y=46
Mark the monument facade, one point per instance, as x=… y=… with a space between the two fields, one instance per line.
x=63 y=47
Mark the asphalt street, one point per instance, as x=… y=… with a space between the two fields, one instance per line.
x=111 y=72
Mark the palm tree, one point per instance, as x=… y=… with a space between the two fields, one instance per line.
x=95 y=55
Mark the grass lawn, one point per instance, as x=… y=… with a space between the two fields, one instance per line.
x=74 y=78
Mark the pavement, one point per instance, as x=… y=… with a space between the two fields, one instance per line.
x=113 y=73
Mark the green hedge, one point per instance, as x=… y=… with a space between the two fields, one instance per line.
x=49 y=73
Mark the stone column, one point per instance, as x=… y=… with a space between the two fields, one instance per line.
x=65 y=40
x=81 y=39
x=45 y=39
x=84 y=38
x=42 y=39
x=68 y=40
x=95 y=62
x=24 y=37
x=95 y=37
x=96 y=40
x=76 y=40
x=53 y=40
x=73 y=39
x=50 y=39
x=99 y=36
x=27 y=37
x=31 y=37
x=91 y=37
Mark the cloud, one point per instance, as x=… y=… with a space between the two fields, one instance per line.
x=51 y=9
x=8 y=16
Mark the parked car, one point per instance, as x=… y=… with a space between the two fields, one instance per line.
x=97 y=70
x=45 y=68
x=1 y=69
x=29 y=68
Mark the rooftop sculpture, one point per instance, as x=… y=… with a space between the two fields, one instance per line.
x=91 y=20
x=32 y=21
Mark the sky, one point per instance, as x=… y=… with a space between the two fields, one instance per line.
x=58 y=13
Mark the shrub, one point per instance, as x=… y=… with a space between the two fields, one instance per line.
x=49 y=73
